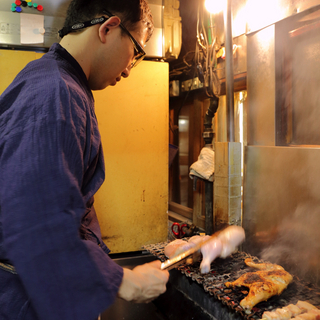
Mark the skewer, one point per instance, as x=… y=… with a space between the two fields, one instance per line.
x=180 y=259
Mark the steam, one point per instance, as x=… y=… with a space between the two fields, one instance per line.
x=296 y=247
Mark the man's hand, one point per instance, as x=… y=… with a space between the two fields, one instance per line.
x=144 y=283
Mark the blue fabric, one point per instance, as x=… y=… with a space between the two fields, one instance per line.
x=51 y=165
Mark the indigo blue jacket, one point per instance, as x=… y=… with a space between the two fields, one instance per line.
x=51 y=165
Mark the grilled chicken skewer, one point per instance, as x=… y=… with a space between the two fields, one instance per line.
x=222 y=244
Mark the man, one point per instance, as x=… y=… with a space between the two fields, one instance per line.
x=53 y=263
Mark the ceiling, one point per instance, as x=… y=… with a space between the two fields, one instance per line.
x=55 y=8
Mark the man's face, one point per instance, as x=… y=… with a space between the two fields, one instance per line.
x=119 y=53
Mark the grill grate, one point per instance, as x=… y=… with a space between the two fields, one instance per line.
x=230 y=269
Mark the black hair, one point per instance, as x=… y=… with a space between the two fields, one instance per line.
x=129 y=11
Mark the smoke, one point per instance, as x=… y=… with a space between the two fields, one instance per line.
x=295 y=246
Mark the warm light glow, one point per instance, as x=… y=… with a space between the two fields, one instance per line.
x=215 y=6
x=261 y=13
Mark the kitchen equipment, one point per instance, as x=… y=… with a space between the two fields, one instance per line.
x=209 y=291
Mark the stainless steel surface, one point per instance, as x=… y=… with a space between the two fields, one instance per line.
x=155 y=47
x=227 y=184
x=281 y=207
x=297 y=76
x=264 y=14
x=281 y=184
x=253 y=15
x=261 y=87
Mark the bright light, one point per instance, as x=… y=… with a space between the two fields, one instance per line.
x=262 y=13
x=215 y=6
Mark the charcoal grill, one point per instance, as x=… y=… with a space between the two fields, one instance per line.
x=211 y=293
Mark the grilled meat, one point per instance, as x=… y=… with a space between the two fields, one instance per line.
x=315 y=311
x=262 y=266
x=284 y=314
x=175 y=247
x=302 y=310
x=305 y=306
x=223 y=243
x=271 y=280
x=271 y=315
x=294 y=309
x=210 y=252
x=231 y=238
x=308 y=311
x=307 y=316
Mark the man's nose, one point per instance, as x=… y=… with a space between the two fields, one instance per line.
x=126 y=72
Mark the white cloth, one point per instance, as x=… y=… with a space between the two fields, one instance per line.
x=204 y=167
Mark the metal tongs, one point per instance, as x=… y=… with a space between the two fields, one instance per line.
x=182 y=257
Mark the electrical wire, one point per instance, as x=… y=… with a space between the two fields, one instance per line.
x=184 y=58
x=204 y=60
x=211 y=81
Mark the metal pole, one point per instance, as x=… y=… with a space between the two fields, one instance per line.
x=229 y=74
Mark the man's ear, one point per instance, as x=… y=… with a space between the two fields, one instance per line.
x=107 y=27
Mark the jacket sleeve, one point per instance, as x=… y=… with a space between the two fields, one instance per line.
x=41 y=171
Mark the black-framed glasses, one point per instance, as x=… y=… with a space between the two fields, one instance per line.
x=139 y=53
